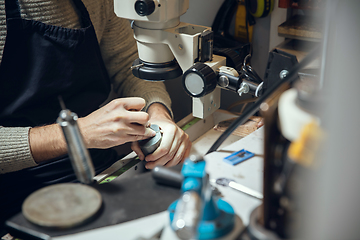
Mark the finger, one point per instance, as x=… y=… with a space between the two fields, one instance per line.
x=142 y=131
x=168 y=139
x=136 y=148
x=177 y=158
x=182 y=153
x=141 y=118
x=163 y=161
x=166 y=158
x=134 y=103
x=133 y=138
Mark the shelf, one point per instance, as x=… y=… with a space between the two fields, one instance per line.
x=302 y=28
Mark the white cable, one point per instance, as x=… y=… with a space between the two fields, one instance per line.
x=258 y=89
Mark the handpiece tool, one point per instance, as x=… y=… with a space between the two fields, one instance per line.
x=78 y=153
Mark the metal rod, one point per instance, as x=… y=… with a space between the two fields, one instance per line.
x=78 y=153
x=61 y=101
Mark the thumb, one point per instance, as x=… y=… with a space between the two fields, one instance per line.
x=149 y=133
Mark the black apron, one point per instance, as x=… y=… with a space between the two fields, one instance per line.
x=41 y=62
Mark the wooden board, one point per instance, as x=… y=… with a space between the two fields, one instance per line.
x=243 y=130
x=301 y=27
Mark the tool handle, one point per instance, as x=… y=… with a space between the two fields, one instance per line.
x=166 y=176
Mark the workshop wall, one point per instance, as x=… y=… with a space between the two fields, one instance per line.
x=203 y=12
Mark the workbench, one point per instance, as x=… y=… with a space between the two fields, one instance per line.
x=249 y=173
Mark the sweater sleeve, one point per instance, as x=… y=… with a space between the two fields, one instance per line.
x=118 y=48
x=14 y=149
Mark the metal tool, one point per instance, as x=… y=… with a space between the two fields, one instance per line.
x=237 y=186
x=188 y=215
x=78 y=153
x=149 y=145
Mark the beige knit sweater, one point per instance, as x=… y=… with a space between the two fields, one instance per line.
x=118 y=50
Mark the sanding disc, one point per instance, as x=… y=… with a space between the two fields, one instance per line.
x=62 y=205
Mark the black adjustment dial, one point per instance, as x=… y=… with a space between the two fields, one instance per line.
x=144 y=7
x=199 y=80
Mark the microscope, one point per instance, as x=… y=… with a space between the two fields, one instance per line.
x=169 y=49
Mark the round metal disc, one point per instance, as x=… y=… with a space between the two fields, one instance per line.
x=149 y=145
x=62 y=205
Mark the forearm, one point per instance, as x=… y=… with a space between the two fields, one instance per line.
x=47 y=142
x=109 y=126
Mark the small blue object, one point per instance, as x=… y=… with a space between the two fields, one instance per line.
x=238 y=157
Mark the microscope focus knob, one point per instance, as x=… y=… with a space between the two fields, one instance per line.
x=199 y=80
x=144 y=7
